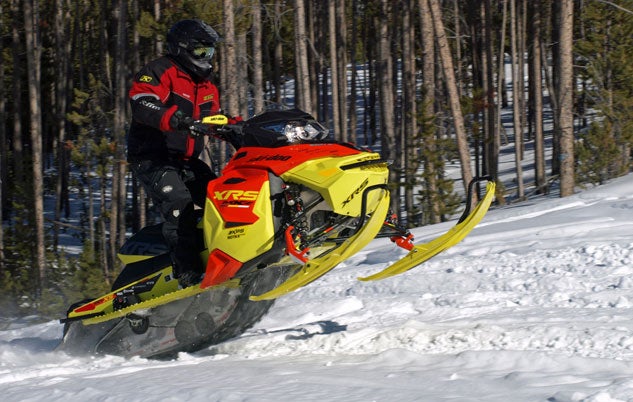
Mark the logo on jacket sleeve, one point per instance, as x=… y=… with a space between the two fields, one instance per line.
x=145 y=78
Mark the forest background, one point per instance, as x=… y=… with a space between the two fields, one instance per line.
x=424 y=82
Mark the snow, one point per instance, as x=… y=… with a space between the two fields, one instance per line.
x=536 y=304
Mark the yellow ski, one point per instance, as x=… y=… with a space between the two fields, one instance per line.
x=426 y=251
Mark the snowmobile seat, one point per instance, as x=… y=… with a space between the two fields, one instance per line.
x=147 y=241
x=140 y=269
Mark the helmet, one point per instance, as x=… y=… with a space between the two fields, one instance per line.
x=192 y=44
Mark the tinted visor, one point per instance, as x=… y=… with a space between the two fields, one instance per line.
x=203 y=52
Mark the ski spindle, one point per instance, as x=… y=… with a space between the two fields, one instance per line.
x=299 y=256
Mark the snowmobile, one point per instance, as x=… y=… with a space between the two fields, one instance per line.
x=289 y=206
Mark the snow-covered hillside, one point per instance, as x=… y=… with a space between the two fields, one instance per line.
x=535 y=305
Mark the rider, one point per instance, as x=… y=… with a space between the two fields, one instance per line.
x=166 y=96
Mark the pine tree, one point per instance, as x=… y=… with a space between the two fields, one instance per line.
x=598 y=155
x=92 y=153
x=606 y=53
x=83 y=277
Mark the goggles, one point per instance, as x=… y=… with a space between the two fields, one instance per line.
x=203 y=53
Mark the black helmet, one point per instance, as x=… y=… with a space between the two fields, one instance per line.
x=192 y=44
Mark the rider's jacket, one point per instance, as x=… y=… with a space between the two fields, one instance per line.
x=159 y=89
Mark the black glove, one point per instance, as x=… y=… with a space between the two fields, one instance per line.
x=197 y=129
x=180 y=121
x=232 y=133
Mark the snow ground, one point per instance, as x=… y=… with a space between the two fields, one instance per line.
x=536 y=304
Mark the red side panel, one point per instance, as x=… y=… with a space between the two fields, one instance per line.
x=234 y=195
x=220 y=268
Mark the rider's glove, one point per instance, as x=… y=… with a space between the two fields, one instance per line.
x=232 y=133
x=197 y=129
x=180 y=121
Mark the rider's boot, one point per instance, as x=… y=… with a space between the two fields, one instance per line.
x=187 y=268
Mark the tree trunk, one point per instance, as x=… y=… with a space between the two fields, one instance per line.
x=500 y=130
x=352 y=117
x=473 y=14
x=555 y=11
x=17 y=54
x=139 y=200
x=409 y=114
x=33 y=52
x=258 y=77
x=457 y=15
x=278 y=57
x=517 y=87
x=303 y=97
x=117 y=208
x=492 y=139
x=229 y=95
x=102 y=232
x=92 y=235
x=428 y=129
x=451 y=85
x=242 y=74
x=341 y=59
x=334 y=76
x=3 y=145
x=62 y=55
x=537 y=98
x=565 y=99
x=385 y=90
x=314 y=35
x=230 y=98
x=521 y=23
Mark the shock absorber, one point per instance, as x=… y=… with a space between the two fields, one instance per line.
x=297 y=225
x=297 y=216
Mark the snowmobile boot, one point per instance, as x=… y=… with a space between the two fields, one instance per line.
x=187 y=266
x=189 y=278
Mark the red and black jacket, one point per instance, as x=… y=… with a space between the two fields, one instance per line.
x=158 y=90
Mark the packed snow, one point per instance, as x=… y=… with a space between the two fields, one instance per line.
x=536 y=304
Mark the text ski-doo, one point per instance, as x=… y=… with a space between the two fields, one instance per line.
x=290 y=205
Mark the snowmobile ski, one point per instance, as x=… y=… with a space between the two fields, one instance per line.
x=423 y=252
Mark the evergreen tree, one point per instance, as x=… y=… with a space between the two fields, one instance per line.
x=605 y=53
x=598 y=155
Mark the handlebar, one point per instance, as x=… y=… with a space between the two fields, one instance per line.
x=208 y=125
x=217 y=126
x=216 y=119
